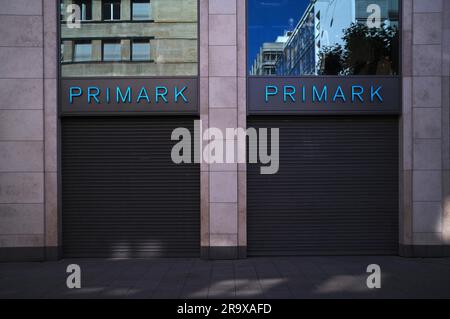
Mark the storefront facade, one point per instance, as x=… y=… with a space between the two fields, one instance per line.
x=95 y=179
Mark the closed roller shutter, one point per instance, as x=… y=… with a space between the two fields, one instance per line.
x=122 y=196
x=336 y=191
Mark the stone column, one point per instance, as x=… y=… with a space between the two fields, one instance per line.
x=97 y=10
x=51 y=127
x=22 y=129
x=125 y=49
x=220 y=76
x=96 y=50
x=125 y=10
x=425 y=128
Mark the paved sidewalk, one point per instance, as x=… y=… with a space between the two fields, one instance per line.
x=285 y=277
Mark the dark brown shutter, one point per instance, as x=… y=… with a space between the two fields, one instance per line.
x=336 y=191
x=121 y=194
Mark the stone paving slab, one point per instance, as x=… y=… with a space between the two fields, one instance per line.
x=265 y=278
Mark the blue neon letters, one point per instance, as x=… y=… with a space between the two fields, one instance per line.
x=126 y=95
x=324 y=93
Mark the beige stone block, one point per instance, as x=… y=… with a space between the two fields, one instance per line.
x=446 y=123
x=204 y=38
x=222 y=29
x=21 y=93
x=428 y=239
x=427 y=28
x=21 y=31
x=51 y=126
x=21 y=156
x=242 y=208
x=222 y=6
x=204 y=96
x=406 y=208
x=428 y=6
x=427 y=60
x=446 y=53
x=21 y=219
x=223 y=119
x=407 y=54
x=427 y=217
x=223 y=187
x=427 y=92
x=21 y=7
x=242 y=94
x=407 y=125
x=223 y=240
x=446 y=207
x=20 y=62
x=21 y=125
x=446 y=15
x=428 y=154
x=428 y=123
x=222 y=61
x=22 y=240
x=51 y=209
x=222 y=92
x=427 y=186
x=223 y=218
x=21 y=188
x=407 y=14
x=242 y=38
x=204 y=209
x=51 y=45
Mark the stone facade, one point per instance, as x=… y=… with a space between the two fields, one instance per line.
x=29 y=226
x=425 y=128
x=28 y=129
x=222 y=101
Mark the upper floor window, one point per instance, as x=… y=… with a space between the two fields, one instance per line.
x=85 y=9
x=111 y=10
x=140 y=50
x=112 y=51
x=141 y=10
x=326 y=37
x=129 y=38
x=82 y=51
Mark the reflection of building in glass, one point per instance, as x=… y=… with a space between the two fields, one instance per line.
x=299 y=53
x=323 y=24
x=269 y=54
x=130 y=37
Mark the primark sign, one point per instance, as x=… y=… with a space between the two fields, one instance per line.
x=324 y=95
x=129 y=95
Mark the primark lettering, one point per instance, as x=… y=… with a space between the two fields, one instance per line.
x=128 y=95
x=324 y=93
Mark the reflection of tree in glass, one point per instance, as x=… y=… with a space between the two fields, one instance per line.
x=366 y=51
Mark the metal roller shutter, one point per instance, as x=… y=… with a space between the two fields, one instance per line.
x=336 y=191
x=122 y=196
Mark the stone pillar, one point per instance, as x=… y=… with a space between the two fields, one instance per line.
x=51 y=128
x=97 y=10
x=125 y=10
x=425 y=129
x=221 y=107
x=125 y=49
x=68 y=51
x=22 y=130
x=96 y=50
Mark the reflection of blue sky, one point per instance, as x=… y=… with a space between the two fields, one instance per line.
x=268 y=19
